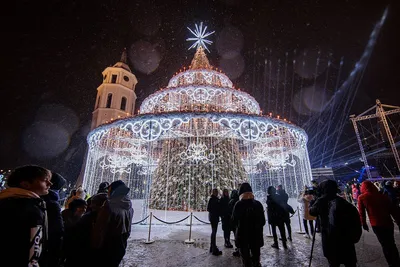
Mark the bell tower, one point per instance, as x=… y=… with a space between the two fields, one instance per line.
x=116 y=96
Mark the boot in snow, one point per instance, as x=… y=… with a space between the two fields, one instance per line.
x=228 y=243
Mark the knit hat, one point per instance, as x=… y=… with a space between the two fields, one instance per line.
x=245 y=187
x=57 y=180
x=103 y=187
x=118 y=188
x=271 y=190
x=329 y=187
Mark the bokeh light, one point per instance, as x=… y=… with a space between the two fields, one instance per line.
x=144 y=56
x=233 y=67
x=307 y=59
x=44 y=140
x=229 y=42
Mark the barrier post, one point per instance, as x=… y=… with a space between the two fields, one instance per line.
x=298 y=216
x=149 y=241
x=269 y=229
x=190 y=240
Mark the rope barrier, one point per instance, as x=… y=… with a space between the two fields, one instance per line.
x=200 y=220
x=141 y=220
x=171 y=222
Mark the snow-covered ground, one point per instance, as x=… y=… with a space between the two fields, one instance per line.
x=169 y=248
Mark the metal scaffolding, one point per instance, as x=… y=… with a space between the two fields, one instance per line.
x=381 y=114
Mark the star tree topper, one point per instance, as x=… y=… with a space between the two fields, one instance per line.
x=200 y=36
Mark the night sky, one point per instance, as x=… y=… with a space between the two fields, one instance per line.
x=54 y=52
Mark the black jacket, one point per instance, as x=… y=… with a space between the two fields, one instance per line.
x=214 y=209
x=248 y=219
x=234 y=198
x=277 y=214
x=283 y=195
x=23 y=218
x=336 y=239
x=114 y=219
x=51 y=253
x=224 y=205
x=80 y=253
x=111 y=231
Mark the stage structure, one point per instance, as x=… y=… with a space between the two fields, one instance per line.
x=196 y=134
x=381 y=114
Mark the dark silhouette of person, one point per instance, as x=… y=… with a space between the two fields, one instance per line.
x=214 y=212
x=249 y=220
x=340 y=225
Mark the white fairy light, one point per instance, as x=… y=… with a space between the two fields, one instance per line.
x=197 y=153
x=200 y=36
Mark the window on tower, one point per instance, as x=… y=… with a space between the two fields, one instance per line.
x=98 y=102
x=109 y=99
x=114 y=78
x=123 y=103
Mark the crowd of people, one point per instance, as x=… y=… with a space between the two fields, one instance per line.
x=93 y=230
x=339 y=219
x=391 y=189
x=90 y=231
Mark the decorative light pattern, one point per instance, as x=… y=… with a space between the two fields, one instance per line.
x=273 y=158
x=200 y=98
x=200 y=36
x=198 y=77
x=196 y=152
x=250 y=128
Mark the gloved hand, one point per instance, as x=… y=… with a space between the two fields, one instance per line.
x=365 y=227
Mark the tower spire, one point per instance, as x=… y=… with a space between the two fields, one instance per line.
x=123 y=62
x=124 y=57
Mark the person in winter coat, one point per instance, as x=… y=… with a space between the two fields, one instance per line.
x=356 y=192
x=391 y=192
x=113 y=226
x=340 y=225
x=52 y=251
x=82 y=253
x=226 y=217
x=233 y=199
x=348 y=192
x=79 y=194
x=305 y=199
x=285 y=198
x=103 y=187
x=276 y=216
x=380 y=211
x=282 y=193
x=249 y=220
x=23 y=216
x=71 y=218
x=214 y=212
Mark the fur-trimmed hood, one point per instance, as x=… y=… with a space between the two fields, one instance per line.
x=246 y=195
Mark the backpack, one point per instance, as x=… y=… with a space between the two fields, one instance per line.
x=344 y=220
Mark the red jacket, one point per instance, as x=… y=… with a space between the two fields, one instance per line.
x=378 y=206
